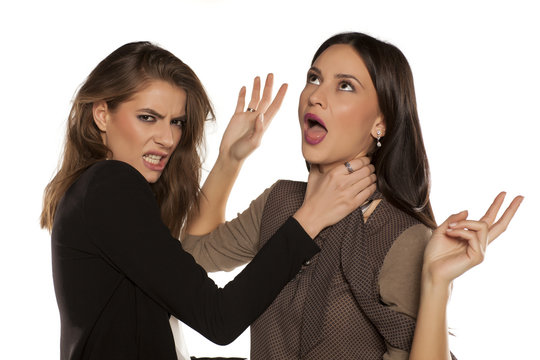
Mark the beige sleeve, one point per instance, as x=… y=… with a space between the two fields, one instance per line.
x=400 y=277
x=393 y=353
x=232 y=243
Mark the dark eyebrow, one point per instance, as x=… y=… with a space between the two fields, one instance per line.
x=152 y=112
x=182 y=118
x=337 y=76
x=315 y=70
x=159 y=116
x=348 y=76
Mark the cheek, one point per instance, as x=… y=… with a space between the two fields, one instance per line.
x=302 y=102
x=356 y=125
x=177 y=136
x=127 y=132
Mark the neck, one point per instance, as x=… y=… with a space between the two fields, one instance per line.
x=325 y=168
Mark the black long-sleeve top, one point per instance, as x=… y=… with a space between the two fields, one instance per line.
x=118 y=273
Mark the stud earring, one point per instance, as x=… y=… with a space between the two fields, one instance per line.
x=379 y=138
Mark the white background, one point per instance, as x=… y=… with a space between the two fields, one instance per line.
x=477 y=80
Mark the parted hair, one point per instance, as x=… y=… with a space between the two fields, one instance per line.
x=115 y=80
x=401 y=163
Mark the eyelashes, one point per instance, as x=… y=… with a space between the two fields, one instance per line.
x=151 y=118
x=343 y=85
x=146 y=118
x=346 y=86
x=179 y=122
x=313 y=78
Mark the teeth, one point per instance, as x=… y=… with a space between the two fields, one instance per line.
x=152 y=159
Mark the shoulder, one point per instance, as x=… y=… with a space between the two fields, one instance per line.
x=112 y=175
x=284 y=196
x=400 y=274
x=112 y=170
x=287 y=187
x=387 y=213
x=113 y=182
x=407 y=236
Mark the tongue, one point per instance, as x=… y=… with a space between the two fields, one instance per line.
x=316 y=132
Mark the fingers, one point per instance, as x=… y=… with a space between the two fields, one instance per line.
x=275 y=106
x=355 y=164
x=255 y=93
x=267 y=93
x=364 y=194
x=476 y=242
x=367 y=173
x=480 y=228
x=491 y=214
x=241 y=100
x=453 y=219
x=264 y=105
x=500 y=226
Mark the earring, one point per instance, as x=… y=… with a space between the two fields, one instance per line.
x=379 y=138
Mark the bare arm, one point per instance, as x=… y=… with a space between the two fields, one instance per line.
x=456 y=246
x=242 y=136
x=329 y=197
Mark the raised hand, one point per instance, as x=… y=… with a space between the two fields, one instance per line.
x=458 y=244
x=246 y=127
x=333 y=195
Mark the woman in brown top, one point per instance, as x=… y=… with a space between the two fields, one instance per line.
x=380 y=285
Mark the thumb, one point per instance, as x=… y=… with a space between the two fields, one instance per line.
x=453 y=219
x=258 y=129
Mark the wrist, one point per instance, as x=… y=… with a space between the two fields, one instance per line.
x=308 y=222
x=435 y=287
x=226 y=163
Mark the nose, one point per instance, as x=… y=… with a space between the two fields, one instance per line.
x=317 y=97
x=163 y=134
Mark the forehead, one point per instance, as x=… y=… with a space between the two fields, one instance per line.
x=161 y=96
x=341 y=58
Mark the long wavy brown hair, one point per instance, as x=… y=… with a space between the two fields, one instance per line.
x=401 y=163
x=116 y=79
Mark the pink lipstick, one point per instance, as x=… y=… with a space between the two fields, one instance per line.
x=314 y=129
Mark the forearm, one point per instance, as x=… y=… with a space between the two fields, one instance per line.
x=431 y=334
x=214 y=195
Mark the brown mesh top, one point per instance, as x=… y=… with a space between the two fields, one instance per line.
x=356 y=299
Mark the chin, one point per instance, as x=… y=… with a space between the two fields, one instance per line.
x=152 y=178
x=313 y=156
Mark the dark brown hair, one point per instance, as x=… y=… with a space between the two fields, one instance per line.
x=401 y=163
x=116 y=79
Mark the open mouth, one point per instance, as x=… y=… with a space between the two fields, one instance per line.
x=155 y=161
x=152 y=159
x=314 y=129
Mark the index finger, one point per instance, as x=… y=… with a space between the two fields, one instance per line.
x=500 y=226
x=276 y=104
x=357 y=164
x=241 y=100
x=491 y=213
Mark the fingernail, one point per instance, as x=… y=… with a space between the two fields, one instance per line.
x=452 y=225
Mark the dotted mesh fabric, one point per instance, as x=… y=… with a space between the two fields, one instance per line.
x=332 y=308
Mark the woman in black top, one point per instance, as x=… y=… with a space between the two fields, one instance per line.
x=129 y=176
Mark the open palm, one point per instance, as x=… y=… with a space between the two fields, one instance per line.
x=458 y=244
x=246 y=128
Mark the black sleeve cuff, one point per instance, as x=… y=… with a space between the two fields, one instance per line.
x=293 y=231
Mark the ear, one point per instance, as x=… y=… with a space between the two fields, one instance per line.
x=100 y=111
x=378 y=126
